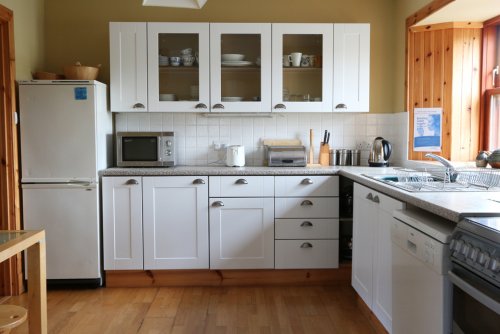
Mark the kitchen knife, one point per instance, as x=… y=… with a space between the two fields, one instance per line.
x=324 y=138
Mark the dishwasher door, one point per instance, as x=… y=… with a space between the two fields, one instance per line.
x=421 y=293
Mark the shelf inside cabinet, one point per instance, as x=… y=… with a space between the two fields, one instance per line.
x=240 y=69
x=178 y=69
x=302 y=69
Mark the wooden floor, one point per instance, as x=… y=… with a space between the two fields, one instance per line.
x=291 y=309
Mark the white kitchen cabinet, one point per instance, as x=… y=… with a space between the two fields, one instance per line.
x=178 y=88
x=306 y=222
x=122 y=223
x=128 y=66
x=240 y=85
x=298 y=88
x=351 y=67
x=175 y=222
x=371 y=254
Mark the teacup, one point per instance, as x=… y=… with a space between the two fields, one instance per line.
x=188 y=60
x=175 y=61
x=186 y=52
x=295 y=58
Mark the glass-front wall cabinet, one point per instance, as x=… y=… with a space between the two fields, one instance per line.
x=178 y=67
x=240 y=64
x=302 y=67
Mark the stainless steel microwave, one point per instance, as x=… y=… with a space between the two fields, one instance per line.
x=145 y=149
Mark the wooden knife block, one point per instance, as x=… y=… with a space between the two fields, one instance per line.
x=324 y=154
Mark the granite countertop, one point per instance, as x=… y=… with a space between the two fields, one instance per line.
x=450 y=205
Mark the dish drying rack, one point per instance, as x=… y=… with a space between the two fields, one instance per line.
x=448 y=179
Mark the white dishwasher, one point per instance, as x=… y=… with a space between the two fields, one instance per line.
x=421 y=290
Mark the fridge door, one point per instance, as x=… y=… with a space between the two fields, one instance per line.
x=58 y=136
x=69 y=214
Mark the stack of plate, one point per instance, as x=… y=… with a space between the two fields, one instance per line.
x=231 y=98
x=234 y=59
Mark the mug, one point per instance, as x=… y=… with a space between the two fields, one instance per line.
x=305 y=61
x=286 y=60
x=175 y=61
x=188 y=60
x=295 y=58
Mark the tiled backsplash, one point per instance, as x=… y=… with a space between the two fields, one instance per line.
x=195 y=134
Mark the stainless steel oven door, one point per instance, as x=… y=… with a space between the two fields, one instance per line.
x=476 y=303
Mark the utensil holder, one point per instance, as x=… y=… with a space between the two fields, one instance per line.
x=324 y=154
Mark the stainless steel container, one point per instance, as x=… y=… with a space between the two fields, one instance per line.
x=345 y=157
x=355 y=157
x=334 y=160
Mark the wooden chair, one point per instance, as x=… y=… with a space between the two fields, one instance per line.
x=11 y=316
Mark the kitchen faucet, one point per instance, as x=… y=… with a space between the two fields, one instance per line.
x=450 y=169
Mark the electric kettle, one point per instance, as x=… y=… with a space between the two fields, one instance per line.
x=235 y=156
x=380 y=153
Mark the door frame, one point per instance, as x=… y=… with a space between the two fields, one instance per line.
x=11 y=275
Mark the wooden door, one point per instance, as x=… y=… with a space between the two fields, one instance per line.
x=10 y=270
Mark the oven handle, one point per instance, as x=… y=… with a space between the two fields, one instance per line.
x=474 y=293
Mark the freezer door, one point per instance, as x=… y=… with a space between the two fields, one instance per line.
x=69 y=214
x=58 y=136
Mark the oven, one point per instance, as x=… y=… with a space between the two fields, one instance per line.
x=475 y=274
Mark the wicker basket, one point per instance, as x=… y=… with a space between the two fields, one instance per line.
x=80 y=72
x=47 y=76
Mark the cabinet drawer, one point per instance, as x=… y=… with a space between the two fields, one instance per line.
x=306 y=228
x=241 y=186
x=290 y=254
x=306 y=207
x=385 y=203
x=310 y=185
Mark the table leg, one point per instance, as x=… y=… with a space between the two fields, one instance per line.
x=37 y=289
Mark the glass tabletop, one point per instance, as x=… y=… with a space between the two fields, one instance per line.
x=6 y=236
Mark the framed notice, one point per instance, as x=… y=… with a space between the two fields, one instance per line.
x=427 y=129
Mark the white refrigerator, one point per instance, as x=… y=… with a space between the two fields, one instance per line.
x=66 y=139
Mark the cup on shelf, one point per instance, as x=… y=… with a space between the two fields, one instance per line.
x=295 y=58
x=305 y=61
x=188 y=60
x=175 y=61
x=186 y=52
x=286 y=60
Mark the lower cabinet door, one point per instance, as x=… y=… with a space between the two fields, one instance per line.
x=175 y=222
x=241 y=233
x=307 y=254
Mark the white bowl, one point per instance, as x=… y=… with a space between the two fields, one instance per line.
x=168 y=97
x=232 y=57
x=231 y=98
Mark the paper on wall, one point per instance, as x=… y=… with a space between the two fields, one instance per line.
x=427 y=129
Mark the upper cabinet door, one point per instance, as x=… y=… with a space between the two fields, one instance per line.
x=240 y=65
x=302 y=67
x=351 y=67
x=128 y=61
x=178 y=67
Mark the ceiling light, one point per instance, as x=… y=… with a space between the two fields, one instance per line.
x=196 y=4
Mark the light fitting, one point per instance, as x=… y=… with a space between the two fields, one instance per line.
x=195 y=4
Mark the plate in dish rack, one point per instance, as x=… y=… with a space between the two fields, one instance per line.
x=236 y=63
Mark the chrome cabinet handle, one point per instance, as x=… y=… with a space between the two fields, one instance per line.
x=241 y=181
x=376 y=199
x=306 y=245
x=306 y=203
x=201 y=106
x=218 y=106
x=307 y=181
x=138 y=106
x=132 y=182
x=369 y=196
x=280 y=106
x=341 y=106
x=199 y=181
x=218 y=204
x=306 y=223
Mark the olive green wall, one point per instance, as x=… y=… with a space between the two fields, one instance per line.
x=29 y=35
x=78 y=30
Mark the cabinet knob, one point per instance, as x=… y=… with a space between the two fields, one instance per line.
x=217 y=204
x=306 y=245
x=307 y=181
x=306 y=203
x=201 y=106
x=341 y=106
x=132 y=182
x=306 y=224
x=138 y=106
x=218 y=106
x=199 y=181
x=376 y=199
x=241 y=181
x=280 y=106
x=369 y=196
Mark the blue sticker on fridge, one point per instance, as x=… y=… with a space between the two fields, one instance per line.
x=80 y=93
